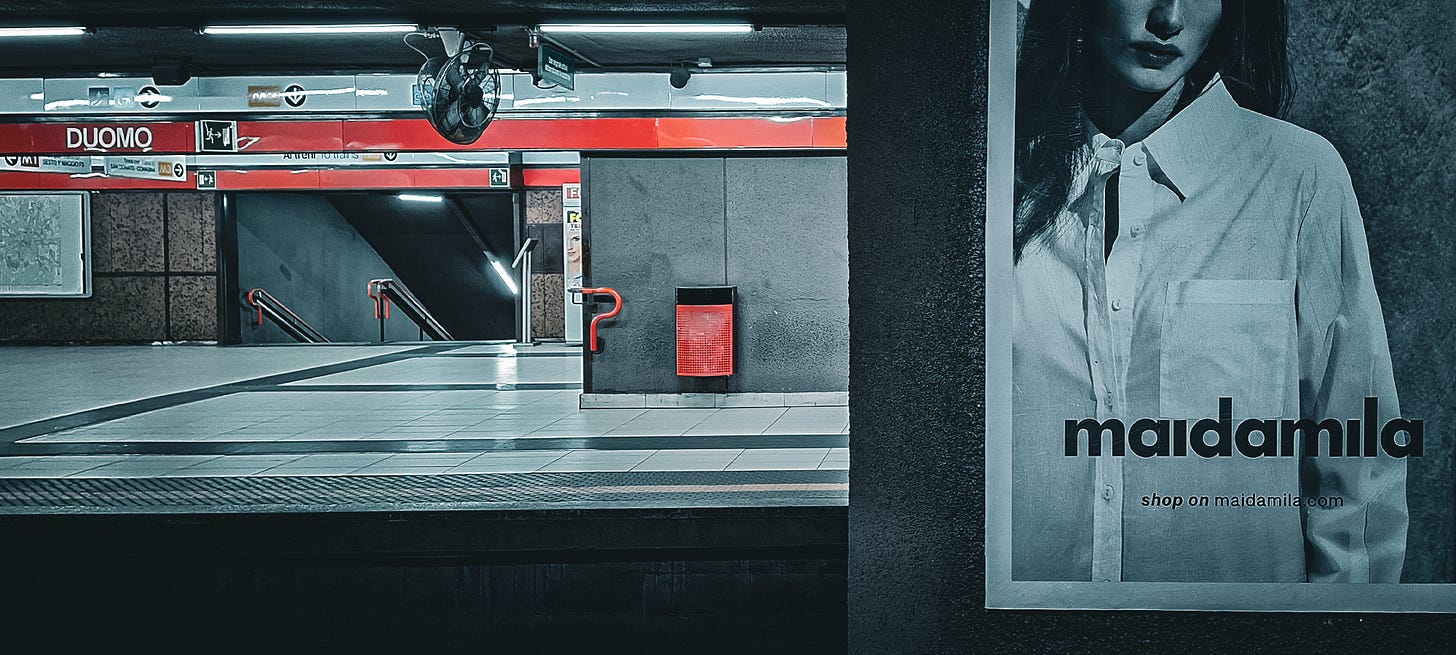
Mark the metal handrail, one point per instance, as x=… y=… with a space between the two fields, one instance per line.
x=383 y=291
x=286 y=320
x=596 y=341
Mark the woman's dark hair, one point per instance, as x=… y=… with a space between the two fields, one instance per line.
x=1247 y=50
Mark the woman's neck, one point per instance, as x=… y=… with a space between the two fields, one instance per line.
x=1128 y=115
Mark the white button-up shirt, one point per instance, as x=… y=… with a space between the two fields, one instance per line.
x=1240 y=269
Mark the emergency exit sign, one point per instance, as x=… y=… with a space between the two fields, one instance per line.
x=554 y=67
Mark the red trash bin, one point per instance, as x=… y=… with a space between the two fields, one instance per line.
x=705 y=331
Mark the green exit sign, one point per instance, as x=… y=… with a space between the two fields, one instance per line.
x=553 y=66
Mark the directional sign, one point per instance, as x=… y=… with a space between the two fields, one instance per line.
x=170 y=168
x=207 y=179
x=301 y=160
x=500 y=177
x=295 y=95
x=45 y=164
x=264 y=95
x=217 y=136
x=123 y=97
x=149 y=97
x=555 y=67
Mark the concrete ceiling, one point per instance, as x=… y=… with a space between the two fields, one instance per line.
x=129 y=34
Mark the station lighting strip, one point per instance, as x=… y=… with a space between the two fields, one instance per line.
x=373 y=28
x=8 y=32
x=646 y=28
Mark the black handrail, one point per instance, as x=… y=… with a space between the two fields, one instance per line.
x=283 y=317
x=385 y=290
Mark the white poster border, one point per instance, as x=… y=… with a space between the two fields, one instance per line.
x=1001 y=591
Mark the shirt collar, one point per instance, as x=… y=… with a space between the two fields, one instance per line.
x=1186 y=147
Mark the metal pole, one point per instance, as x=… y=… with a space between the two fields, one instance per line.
x=526 y=299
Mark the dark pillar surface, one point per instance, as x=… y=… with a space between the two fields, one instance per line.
x=787 y=252
x=772 y=226
x=917 y=75
x=652 y=224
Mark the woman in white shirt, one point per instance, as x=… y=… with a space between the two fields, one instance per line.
x=1176 y=243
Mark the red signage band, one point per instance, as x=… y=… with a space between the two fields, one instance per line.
x=549 y=178
x=273 y=179
x=560 y=134
x=97 y=138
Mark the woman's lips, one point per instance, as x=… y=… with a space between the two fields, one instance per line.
x=1155 y=55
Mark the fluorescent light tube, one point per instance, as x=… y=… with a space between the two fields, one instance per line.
x=41 y=31
x=417 y=197
x=506 y=277
x=376 y=28
x=647 y=28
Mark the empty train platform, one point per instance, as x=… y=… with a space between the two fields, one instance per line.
x=189 y=429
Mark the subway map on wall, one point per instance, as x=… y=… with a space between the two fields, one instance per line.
x=42 y=244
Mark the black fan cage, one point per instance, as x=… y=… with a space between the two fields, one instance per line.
x=461 y=94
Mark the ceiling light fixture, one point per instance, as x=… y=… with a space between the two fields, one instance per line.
x=41 y=31
x=372 y=28
x=417 y=197
x=646 y=28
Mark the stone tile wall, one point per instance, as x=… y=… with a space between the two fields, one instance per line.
x=153 y=277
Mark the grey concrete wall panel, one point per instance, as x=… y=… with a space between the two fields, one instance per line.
x=788 y=252
x=303 y=252
x=1388 y=106
x=754 y=91
x=593 y=92
x=655 y=224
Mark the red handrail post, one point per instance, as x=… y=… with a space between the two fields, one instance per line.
x=617 y=298
x=254 y=302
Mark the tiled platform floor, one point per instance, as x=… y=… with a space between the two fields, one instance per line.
x=434 y=409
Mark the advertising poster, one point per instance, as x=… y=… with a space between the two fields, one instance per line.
x=571 y=240
x=1215 y=379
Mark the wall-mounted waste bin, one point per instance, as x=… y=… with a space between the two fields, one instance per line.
x=705 y=331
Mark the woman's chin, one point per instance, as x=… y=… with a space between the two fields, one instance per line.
x=1145 y=80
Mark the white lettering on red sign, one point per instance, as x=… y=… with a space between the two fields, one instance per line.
x=109 y=137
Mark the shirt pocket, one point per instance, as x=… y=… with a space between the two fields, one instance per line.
x=1226 y=338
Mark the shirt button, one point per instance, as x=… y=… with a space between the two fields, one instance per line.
x=1107 y=492
x=1136 y=231
x=1138 y=159
x=1109 y=399
x=1117 y=305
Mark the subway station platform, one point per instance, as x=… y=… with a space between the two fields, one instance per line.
x=454 y=489
x=184 y=429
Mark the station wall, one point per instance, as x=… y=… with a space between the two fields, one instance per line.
x=548 y=301
x=303 y=252
x=774 y=226
x=154 y=276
